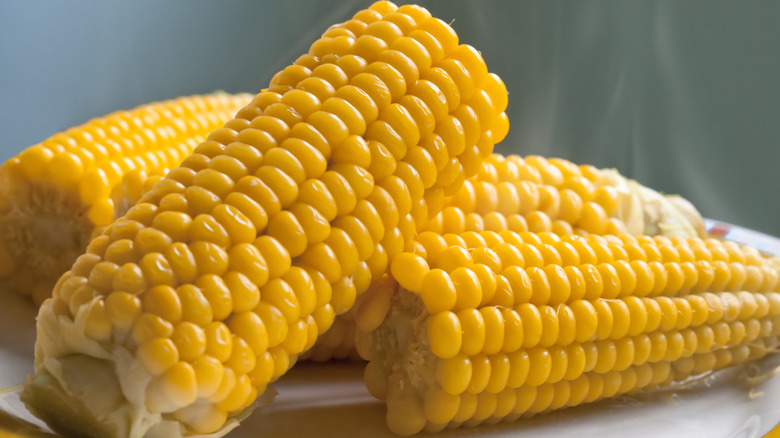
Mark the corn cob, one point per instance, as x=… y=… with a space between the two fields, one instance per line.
x=489 y=327
x=540 y=195
x=54 y=196
x=182 y=312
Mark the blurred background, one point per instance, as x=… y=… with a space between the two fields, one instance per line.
x=682 y=96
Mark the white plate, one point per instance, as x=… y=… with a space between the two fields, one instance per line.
x=329 y=400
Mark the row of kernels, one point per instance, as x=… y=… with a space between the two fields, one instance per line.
x=714 y=360
x=151 y=124
x=74 y=162
x=591 y=387
x=525 y=400
x=490 y=329
x=539 y=366
x=459 y=280
x=513 y=181
x=452 y=220
x=664 y=249
x=699 y=275
x=176 y=263
x=471 y=409
x=741 y=305
x=678 y=249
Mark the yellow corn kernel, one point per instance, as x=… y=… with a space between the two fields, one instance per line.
x=158 y=355
x=445 y=334
x=249 y=327
x=409 y=269
x=438 y=291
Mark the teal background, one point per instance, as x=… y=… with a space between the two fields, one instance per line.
x=681 y=95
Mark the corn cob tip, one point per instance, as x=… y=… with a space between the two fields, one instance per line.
x=646 y=211
x=537 y=194
x=47 y=400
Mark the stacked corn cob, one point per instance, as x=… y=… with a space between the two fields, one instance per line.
x=538 y=195
x=183 y=311
x=55 y=195
x=489 y=327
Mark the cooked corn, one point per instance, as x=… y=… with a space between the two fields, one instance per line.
x=184 y=310
x=541 y=195
x=56 y=195
x=498 y=326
